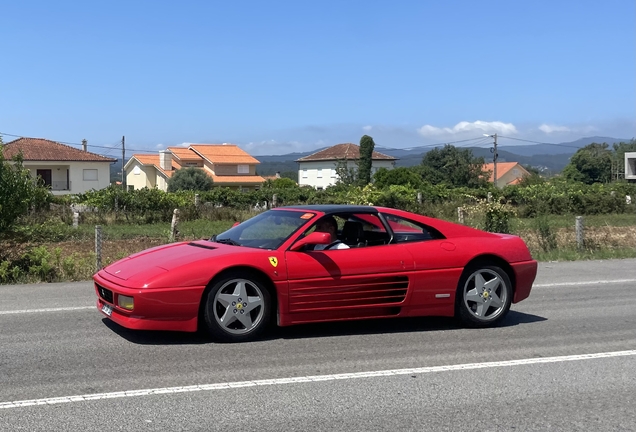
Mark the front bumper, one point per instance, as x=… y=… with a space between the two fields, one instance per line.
x=525 y=273
x=174 y=309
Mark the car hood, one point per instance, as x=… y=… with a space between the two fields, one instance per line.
x=150 y=263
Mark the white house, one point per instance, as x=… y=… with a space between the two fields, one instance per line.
x=227 y=165
x=64 y=169
x=630 y=166
x=319 y=169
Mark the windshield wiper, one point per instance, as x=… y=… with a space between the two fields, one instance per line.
x=226 y=241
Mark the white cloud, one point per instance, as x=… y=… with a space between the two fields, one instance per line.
x=184 y=144
x=546 y=128
x=367 y=128
x=160 y=146
x=550 y=129
x=465 y=127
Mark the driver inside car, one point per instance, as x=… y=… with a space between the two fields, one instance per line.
x=329 y=225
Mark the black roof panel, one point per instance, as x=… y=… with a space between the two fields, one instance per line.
x=332 y=208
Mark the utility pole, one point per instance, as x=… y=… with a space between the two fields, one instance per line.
x=493 y=150
x=123 y=159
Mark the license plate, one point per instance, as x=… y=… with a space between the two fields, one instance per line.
x=108 y=310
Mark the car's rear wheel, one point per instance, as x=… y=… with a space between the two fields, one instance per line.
x=484 y=295
x=237 y=308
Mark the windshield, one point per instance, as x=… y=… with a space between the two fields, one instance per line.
x=267 y=230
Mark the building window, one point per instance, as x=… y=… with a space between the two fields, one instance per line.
x=136 y=170
x=319 y=188
x=90 y=175
x=515 y=172
x=191 y=164
x=304 y=173
x=319 y=175
x=243 y=169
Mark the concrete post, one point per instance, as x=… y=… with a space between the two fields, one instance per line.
x=173 y=227
x=580 y=240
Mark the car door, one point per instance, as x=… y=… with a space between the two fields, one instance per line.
x=347 y=283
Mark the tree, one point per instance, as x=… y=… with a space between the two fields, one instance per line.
x=346 y=176
x=590 y=164
x=366 y=160
x=453 y=166
x=191 y=179
x=18 y=191
x=280 y=183
x=402 y=176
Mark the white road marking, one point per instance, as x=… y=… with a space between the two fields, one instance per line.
x=582 y=283
x=61 y=309
x=310 y=379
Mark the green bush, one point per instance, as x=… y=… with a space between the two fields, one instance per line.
x=190 y=179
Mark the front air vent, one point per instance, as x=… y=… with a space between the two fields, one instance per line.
x=105 y=294
x=203 y=246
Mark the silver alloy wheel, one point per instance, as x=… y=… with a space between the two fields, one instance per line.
x=238 y=306
x=485 y=295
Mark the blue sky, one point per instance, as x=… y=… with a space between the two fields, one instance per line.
x=281 y=76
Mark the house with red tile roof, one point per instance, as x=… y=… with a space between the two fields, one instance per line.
x=227 y=165
x=319 y=169
x=64 y=169
x=508 y=173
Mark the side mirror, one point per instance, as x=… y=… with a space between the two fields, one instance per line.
x=312 y=239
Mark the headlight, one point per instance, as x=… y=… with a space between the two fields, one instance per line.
x=125 y=302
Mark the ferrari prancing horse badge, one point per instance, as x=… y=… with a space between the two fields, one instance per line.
x=273 y=261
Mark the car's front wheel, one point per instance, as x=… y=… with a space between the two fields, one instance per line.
x=484 y=295
x=237 y=308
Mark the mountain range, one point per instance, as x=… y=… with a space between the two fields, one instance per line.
x=546 y=157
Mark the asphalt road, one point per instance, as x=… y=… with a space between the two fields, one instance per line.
x=564 y=359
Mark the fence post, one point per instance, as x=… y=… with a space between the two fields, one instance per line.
x=197 y=200
x=173 y=227
x=489 y=197
x=116 y=205
x=419 y=197
x=75 y=220
x=580 y=240
x=460 y=215
x=274 y=199
x=98 y=248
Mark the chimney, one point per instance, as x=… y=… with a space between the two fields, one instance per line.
x=165 y=160
x=85 y=145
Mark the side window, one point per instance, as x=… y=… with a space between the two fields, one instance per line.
x=405 y=230
x=364 y=229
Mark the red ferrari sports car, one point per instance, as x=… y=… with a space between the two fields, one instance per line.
x=282 y=264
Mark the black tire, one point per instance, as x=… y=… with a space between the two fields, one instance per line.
x=480 y=304
x=237 y=308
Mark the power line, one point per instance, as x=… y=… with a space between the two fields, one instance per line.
x=539 y=142
x=432 y=145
